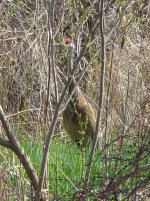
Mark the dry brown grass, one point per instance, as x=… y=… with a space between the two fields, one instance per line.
x=24 y=68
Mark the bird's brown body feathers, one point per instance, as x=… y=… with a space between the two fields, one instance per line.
x=79 y=118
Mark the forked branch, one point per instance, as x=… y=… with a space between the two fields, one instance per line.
x=13 y=144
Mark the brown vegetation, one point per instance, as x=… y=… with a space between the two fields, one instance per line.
x=33 y=74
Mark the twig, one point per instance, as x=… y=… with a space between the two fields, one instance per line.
x=56 y=114
x=5 y=143
x=102 y=70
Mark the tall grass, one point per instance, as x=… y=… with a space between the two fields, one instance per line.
x=67 y=166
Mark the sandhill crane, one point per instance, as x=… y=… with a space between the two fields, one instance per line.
x=79 y=116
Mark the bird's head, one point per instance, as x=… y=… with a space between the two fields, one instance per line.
x=68 y=42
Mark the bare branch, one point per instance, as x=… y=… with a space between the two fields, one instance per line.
x=138 y=186
x=56 y=114
x=6 y=143
x=102 y=70
x=17 y=149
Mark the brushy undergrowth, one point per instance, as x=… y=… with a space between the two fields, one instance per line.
x=68 y=164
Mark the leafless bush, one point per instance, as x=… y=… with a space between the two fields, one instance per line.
x=33 y=72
